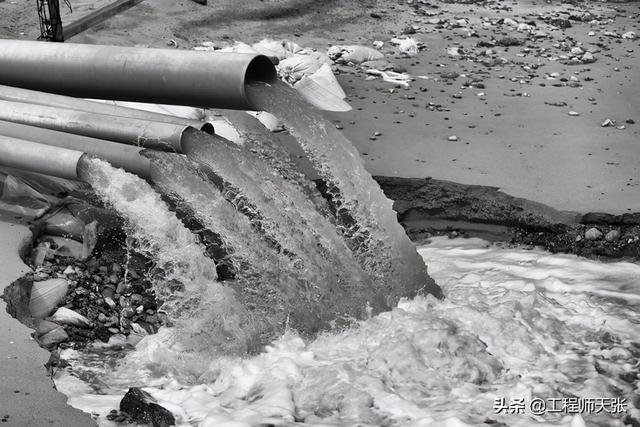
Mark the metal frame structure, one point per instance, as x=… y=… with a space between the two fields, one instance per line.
x=50 y=20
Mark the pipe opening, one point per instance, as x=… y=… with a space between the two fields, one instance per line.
x=260 y=69
x=208 y=128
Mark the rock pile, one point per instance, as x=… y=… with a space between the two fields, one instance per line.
x=106 y=297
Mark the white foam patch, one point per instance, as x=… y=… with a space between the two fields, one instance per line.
x=515 y=324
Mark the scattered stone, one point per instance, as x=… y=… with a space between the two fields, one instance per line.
x=612 y=236
x=509 y=41
x=453 y=138
x=593 y=234
x=588 y=58
x=143 y=408
x=608 y=123
x=560 y=23
x=574 y=113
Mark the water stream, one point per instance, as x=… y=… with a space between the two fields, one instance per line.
x=327 y=316
x=362 y=210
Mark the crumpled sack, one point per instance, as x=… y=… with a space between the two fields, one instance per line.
x=279 y=49
x=296 y=67
x=407 y=46
x=401 y=79
x=323 y=90
x=353 y=54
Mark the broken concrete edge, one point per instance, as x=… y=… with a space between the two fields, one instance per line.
x=27 y=394
x=429 y=207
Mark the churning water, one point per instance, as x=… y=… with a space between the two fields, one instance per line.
x=515 y=324
x=362 y=210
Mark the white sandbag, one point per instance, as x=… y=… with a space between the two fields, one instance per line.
x=295 y=67
x=238 y=47
x=407 y=46
x=323 y=90
x=353 y=54
x=272 y=48
x=46 y=296
x=292 y=47
x=64 y=316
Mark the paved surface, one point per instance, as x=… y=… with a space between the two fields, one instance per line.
x=27 y=394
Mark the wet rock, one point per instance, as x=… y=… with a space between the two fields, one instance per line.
x=612 y=236
x=560 y=23
x=102 y=333
x=593 y=234
x=143 y=408
x=509 y=41
x=53 y=337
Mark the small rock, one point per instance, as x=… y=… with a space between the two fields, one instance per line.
x=574 y=113
x=102 y=333
x=453 y=138
x=588 y=58
x=607 y=123
x=144 y=409
x=612 y=236
x=593 y=234
x=629 y=35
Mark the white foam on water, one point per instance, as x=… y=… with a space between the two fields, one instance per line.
x=515 y=324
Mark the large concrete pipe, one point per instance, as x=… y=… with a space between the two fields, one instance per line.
x=40 y=158
x=165 y=76
x=143 y=133
x=9 y=93
x=119 y=155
